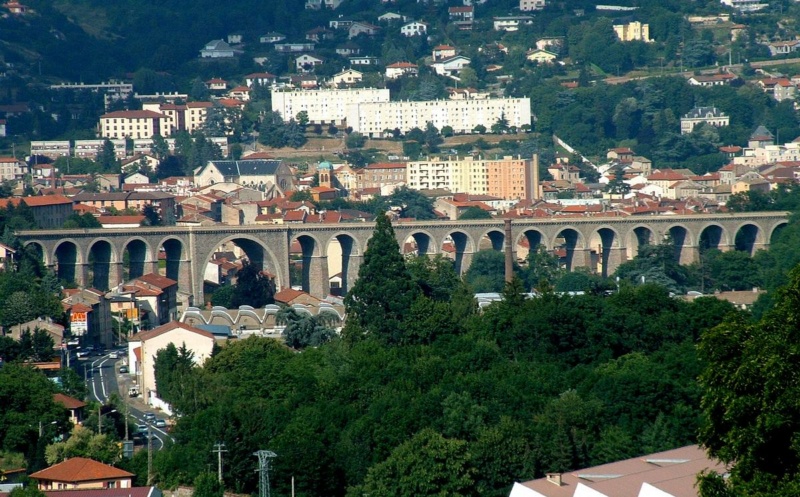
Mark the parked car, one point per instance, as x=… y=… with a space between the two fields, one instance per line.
x=83 y=354
x=142 y=428
x=123 y=369
x=113 y=355
x=160 y=423
x=149 y=416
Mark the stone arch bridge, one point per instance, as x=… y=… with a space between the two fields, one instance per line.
x=599 y=243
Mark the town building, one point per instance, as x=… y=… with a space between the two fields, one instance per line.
x=381 y=174
x=633 y=31
x=541 y=56
x=348 y=77
x=450 y=67
x=49 y=211
x=186 y=117
x=324 y=106
x=671 y=473
x=52 y=149
x=745 y=5
x=531 y=5
x=708 y=115
x=511 y=23
x=133 y=124
x=89 y=149
x=12 y=169
x=508 y=178
x=143 y=347
x=374 y=118
x=362 y=28
x=80 y=473
x=162 y=202
x=259 y=174
x=217 y=49
x=414 y=28
x=400 y=69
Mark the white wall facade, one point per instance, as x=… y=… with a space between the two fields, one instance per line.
x=324 y=106
x=372 y=118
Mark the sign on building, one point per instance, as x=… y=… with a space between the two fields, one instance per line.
x=79 y=323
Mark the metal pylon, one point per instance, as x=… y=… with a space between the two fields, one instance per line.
x=263 y=471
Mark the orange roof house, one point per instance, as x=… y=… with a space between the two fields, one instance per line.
x=81 y=473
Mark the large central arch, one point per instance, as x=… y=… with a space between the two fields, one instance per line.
x=257 y=252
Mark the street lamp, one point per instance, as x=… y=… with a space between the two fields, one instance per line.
x=100 y=418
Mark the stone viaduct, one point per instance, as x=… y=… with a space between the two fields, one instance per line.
x=601 y=243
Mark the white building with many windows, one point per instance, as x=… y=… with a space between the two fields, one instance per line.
x=133 y=124
x=324 y=106
x=373 y=118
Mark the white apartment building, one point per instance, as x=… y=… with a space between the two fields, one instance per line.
x=51 y=149
x=531 y=5
x=373 y=118
x=88 y=149
x=324 y=106
x=133 y=124
x=745 y=5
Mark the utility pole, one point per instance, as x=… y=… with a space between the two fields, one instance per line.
x=149 y=456
x=100 y=419
x=219 y=448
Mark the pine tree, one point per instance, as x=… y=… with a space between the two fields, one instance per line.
x=384 y=292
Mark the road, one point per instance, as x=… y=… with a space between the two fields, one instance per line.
x=101 y=376
x=688 y=74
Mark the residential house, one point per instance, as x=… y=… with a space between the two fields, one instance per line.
x=511 y=23
x=143 y=347
x=157 y=297
x=319 y=34
x=442 y=52
x=320 y=4
x=541 y=56
x=307 y=63
x=531 y=5
x=633 y=31
x=163 y=203
x=348 y=49
x=400 y=69
x=364 y=61
x=362 y=28
x=414 y=28
x=391 y=17
x=761 y=137
x=271 y=37
x=722 y=79
x=554 y=44
x=88 y=314
x=71 y=404
x=708 y=115
x=80 y=473
x=452 y=66
x=217 y=49
x=259 y=78
x=12 y=169
x=294 y=47
x=778 y=48
x=340 y=23
x=240 y=93
x=462 y=17
x=348 y=77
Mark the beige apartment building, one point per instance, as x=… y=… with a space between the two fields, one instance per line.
x=375 y=118
x=509 y=178
x=134 y=124
x=324 y=106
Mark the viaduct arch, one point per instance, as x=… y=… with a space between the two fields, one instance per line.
x=94 y=257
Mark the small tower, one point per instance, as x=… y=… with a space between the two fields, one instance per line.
x=325 y=170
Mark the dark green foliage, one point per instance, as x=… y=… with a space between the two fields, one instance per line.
x=475 y=213
x=252 y=287
x=749 y=400
x=383 y=293
x=304 y=330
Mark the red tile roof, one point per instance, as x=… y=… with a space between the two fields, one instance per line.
x=67 y=401
x=157 y=280
x=80 y=469
x=166 y=328
x=40 y=201
x=133 y=114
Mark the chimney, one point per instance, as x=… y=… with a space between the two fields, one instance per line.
x=535 y=176
x=509 y=252
x=554 y=478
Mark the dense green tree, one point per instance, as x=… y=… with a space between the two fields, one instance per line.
x=475 y=213
x=486 y=273
x=428 y=464
x=751 y=411
x=208 y=485
x=107 y=157
x=252 y=287
x=383 y=294
x=355 y=140
x=304 y=330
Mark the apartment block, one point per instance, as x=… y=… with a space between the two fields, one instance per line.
x=324 y=106
x=133 y=124
x=374 y=118
x=509 y=178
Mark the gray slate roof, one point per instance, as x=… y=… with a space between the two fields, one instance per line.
x=701 y=112
x=259 y=167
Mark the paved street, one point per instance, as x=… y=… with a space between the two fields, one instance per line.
x=102 y=377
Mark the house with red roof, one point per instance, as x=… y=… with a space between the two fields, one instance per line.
x=157 y=296
x=49 y=211
x=80 y=473
x=400 y=69
x=71 y=404
x=143 y=347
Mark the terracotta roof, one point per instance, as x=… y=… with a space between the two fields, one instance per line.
x=101 y=492
x=387 y=165
x=143 y=336
x=401 y=65
x=67 y=401
x=157 y=280
x=120 y=219
x=80 y=308
x=287 y=295
x=40 y=201
x=80 y=469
